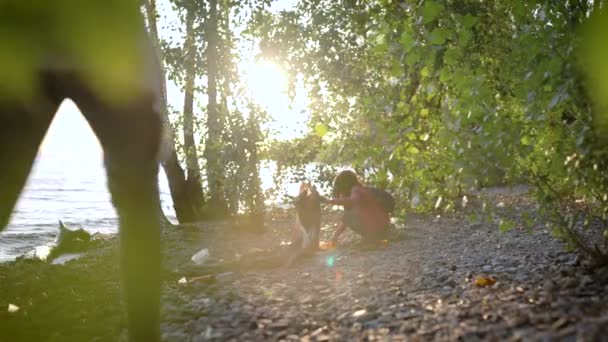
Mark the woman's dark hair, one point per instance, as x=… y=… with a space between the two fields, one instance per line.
x=344 y=182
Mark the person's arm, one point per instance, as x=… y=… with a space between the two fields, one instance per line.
x=347 y=201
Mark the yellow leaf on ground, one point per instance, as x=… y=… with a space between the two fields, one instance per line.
x=327 y=245
x=483 y=281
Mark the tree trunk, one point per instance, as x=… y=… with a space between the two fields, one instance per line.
x=256 y=197
x=214 y=121
x=193 y=180
x=189 y=64
x=188 y=206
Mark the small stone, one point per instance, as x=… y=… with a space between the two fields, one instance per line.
x=586 y=281
x=317 y=332
x=446 y=290
x=442 y=278
x=517 y=321
x=568 y=283
x=280 y=324
x=359 y=313
x=342 y=316
x=306 y=299
x=262 y=323
x=559 y=323
x=406 y=315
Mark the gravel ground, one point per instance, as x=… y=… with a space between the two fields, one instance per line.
x=421 y=285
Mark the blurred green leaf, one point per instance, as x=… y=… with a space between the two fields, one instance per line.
x=425 y=72
x=438 y=36
x=469 y=21
x=594 y=56
x=407 y=42
x=321 y=130
x=430 y=11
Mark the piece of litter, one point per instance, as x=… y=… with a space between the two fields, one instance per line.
x=12 y=308
x=201 y=256
x=182 y=280
x=209 y=278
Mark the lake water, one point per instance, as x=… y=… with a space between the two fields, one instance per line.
x=72 y=188
x=69 y=189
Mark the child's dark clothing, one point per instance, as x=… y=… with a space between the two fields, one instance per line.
x=364 y=212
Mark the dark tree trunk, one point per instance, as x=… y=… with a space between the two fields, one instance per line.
x=213 y=143
x=187 y=204
x=193 y=184
x=189 y=62
x=256 y=200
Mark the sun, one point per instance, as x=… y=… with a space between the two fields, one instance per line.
x=267 y=83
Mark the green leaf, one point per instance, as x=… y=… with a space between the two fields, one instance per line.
x=407 y=42
x=430 y=11
x=438 y=36
x=424 y=72
x=464 y=37
x=321 y=130
x=469 y=21
x=444 y=75
x=449 y=58
x=412 y=57
x=412 y=150
x=396 y=69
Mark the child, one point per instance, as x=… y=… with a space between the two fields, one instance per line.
x=366 y=209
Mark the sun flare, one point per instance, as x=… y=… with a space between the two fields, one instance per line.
x=267 y=82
